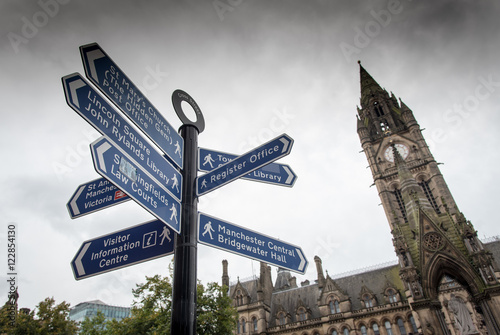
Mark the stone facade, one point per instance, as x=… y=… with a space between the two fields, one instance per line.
x=446 y=280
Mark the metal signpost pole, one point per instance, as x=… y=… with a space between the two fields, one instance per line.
x=183 y=319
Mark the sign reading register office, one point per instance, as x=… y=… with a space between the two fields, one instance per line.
x=445 y=281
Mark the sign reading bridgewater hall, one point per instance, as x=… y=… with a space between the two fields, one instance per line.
x=236 y=239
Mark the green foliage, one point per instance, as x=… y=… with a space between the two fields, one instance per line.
x=49 y=319
x=151 y=311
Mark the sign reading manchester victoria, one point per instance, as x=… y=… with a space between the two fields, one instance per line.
x=112 y=164
x=93 y=196
x=90 y=105
x=105 y=74
x=233 y=238
x=123 y=248
x=244 y=164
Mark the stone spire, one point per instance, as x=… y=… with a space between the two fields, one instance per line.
x=319 y=269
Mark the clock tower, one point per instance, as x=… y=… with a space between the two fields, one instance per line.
x=432 y=238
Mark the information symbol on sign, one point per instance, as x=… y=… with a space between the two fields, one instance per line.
x=149 y=240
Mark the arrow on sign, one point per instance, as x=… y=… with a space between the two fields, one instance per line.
x=114 y=165
x=94 y=196
x=272 y=173
x=123 y=248
x=236 y=239
x=90 y=105
x=102 y=71
x=245 y=164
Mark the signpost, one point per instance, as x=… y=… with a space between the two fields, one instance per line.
x=110 y=79
x=111 y=163
x=272 y=173
x=90 y=105
x=94 y=196
x=236 y=239
x=137 y=171
x=123 y=248
x=245 y=164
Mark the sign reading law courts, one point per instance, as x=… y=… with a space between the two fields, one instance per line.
x=111 y=163
x=123 y=248
x=90 y=105
x=236 y=239
x=94 y=196
x=105 y=74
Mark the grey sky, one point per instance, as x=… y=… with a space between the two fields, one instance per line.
x=257 y=69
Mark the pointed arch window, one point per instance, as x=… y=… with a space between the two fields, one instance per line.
x=399 y=200
x=363 y=330
x=401 y=326
x=334 y=332
x=375 y=328
x=368 y=300
x=391 y=295
x=281 y=319
x=413 y=324
x=302 y=314
x=254 y=323
x=243 y=326
x=388 y=327
x=334 y=306
x=428 y=193
x=378 y=109
x=345 y=331
x=239 y=298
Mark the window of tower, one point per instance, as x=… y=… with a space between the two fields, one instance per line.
x=428 y=193
x=378 y=110
x=399 y=199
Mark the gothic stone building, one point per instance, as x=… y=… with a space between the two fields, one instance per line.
x=446 y=280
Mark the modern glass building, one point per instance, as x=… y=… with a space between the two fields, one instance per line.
x=90 y=308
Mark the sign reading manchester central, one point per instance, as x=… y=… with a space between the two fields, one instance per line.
x=111 y=80
x=244 y=164
x=123 y=248
x=236 y=239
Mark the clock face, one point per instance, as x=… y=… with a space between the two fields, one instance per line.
x=402 y=150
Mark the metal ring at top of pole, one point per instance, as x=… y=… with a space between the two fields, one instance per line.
x=177 y=98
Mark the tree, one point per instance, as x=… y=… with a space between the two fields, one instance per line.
x=94 y=326
x=151 y=311
x=49 y=319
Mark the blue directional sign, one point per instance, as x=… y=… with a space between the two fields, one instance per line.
x=245 y=164
x=123 y=248
x=90 y=105
x=111 y=163
x=233 y=238
x=94 y=196
x=272 y=173
x=110 y=79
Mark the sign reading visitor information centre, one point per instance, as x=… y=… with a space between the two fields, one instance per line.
x=110 y=79
x=93 y=196
x=236 y=239
x=123 y=248
x=116 y=167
